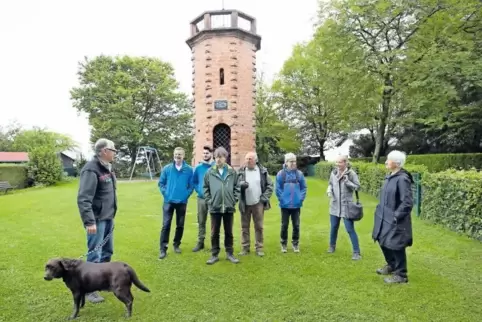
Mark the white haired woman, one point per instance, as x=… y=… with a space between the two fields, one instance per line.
x=343 y=182
x=393 y=224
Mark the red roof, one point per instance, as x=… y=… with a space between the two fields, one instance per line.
x=13 y=157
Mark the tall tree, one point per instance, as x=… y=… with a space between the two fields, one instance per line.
x=134 y=101
x=302 y=101
x=273 y=136
x=384 y=30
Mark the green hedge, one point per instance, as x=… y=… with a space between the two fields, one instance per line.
x=15 y=174
x=440 y=162
x=371 y=175
x=454 y=199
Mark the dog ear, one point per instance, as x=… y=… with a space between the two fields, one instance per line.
x=68 y=264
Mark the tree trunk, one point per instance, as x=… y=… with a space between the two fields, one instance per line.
x=322 y=150
x=382 y=123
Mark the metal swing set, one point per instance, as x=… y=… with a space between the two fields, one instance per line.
x=147 y=155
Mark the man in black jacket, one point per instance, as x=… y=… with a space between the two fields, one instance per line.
x=256 y=189
x=97 y=202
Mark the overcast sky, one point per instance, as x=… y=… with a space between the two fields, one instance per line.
x=42 y=42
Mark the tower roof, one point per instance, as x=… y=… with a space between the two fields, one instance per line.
x=224 y=22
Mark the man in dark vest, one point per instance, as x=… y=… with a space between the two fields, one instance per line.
x=256 y=189
x=97 y=203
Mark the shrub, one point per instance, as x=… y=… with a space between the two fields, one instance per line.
x=15 y=174
x=440 y=162
x=371 y=175
x=453 y=199
x=45 y=166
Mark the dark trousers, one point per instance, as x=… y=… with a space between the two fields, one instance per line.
x=397 y=260
x=202 y=214
x=286 y=213
x=227 y=219
x=167 y=214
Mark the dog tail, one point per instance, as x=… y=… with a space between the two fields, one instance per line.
x=136 y=280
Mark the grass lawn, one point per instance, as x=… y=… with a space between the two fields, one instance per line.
x=445 y=269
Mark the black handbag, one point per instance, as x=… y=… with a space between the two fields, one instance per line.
x=355 y=209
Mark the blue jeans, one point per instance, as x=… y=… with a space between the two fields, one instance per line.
x=104 y=254
x=350 y=229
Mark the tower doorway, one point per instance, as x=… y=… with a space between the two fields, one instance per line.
x=222 y=137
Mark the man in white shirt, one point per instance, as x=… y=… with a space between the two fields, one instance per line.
x=256 y=189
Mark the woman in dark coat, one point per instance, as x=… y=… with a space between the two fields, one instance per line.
x=393 y=223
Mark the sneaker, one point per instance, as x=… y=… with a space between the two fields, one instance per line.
x=198 y=247
x=356 y=256
x=284 y=249
x=244 y=252
x=163 y=254
x=395 y=279
x=212 y=260
x=260 y=253
x=331 y=249
x=296 y=248
x=177 y=249
x=387 y=270
x=94 y=297
x=232 y=259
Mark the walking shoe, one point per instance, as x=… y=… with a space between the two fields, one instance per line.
x=395 y=279
x=232 y=259
x=177 y=249
x=284 y=249
x=331 y=249
x=260 y=253
x=387 y=270
x=296 y=248
x=163 y=254
x=212 y=260
x=198 y=247
x=356 y=256
x=94 y=297
x=244 y=252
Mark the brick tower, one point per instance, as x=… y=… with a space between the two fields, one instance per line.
x=224 y=45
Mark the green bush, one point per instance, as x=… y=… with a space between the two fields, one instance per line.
x=440 y=162
x=15 y=174
x=453 y=199
x=45 y=166
x=371 y=175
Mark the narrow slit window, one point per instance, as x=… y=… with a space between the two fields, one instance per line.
x=221 y=76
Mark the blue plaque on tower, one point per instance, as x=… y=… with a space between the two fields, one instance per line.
x=221 y=104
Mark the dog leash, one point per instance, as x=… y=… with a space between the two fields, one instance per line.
x=101 y=244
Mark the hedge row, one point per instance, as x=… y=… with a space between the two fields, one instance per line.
x=454 y=199
x=15 y=174
x=371 y=175
x=440 y=162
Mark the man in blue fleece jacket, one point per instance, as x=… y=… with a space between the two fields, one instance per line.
x=291 y=193
x=202 y=208
x=176 y=186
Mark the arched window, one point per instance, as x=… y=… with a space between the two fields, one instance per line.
x=222 y=137
x=221 y=76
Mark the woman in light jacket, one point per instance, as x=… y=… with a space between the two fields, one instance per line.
x=341 y=186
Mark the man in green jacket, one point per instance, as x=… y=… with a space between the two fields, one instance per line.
x=221 y=193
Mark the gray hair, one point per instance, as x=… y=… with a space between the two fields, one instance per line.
x=220 y=152
x=289 y=156
x=255 y=155
x=398 y=157
x=102 y=144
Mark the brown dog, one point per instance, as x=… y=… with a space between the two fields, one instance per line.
x=85 y=277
